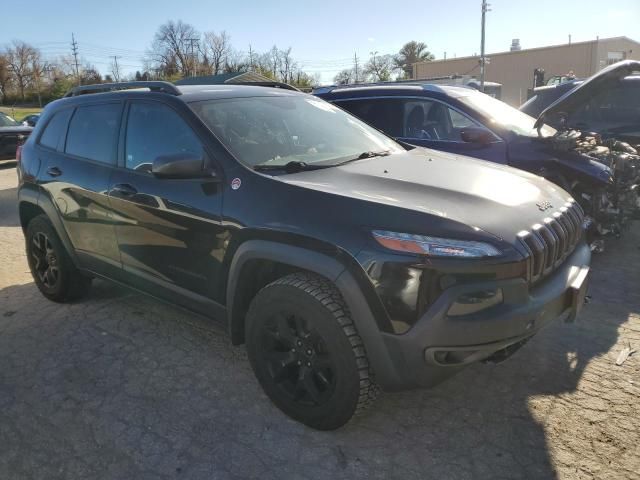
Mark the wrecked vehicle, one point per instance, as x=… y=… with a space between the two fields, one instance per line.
x=613 y=112
x=611 y=206
x=602 y=175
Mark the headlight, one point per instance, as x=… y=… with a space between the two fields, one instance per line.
x=434 y=246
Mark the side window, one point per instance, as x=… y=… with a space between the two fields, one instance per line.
x=431 y=120
x=54 y=132
x=458 y=120
x=93 y=132
x=385 y=114
x=155 y=130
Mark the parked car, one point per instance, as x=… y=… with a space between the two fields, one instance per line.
x=31 y=120
x=613 y=112
x=344 y=260
x=459 y=120
x=12 y=134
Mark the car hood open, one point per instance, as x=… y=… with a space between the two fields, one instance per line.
x=577 y=97
x=495 y=198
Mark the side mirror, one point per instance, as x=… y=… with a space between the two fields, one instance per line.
x=179 y=165
x=476 y=135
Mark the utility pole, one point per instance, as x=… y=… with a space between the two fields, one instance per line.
x=116 y=68
x=74 y=49
x=194 y=68
x=483 y=60
x=355 y=66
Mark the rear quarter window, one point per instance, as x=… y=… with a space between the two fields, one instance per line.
x=93 y=132
x=55 y=130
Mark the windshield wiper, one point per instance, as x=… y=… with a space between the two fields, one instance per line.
x=291 y=167
x=362 y=156
x=296 y=166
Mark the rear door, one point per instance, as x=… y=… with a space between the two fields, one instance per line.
x=78 y=150
x=169 y=230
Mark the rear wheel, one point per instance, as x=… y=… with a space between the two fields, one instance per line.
x=306 y=352
x=51 y=267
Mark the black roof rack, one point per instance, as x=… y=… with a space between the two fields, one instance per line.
x=154 y=86
x=273 y=84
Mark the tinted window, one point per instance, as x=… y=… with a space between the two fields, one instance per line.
x=93 y=132
x=155 y=130
x=54 y=132
x=381 y=113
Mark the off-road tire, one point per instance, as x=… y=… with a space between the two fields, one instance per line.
x=318 y=302
x=70 y=283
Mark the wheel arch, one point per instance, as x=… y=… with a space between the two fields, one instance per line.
x=365 y=307
x=31 y=204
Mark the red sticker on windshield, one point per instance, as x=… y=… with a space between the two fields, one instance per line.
x=235 y=183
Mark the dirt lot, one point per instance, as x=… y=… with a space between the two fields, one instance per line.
x=121 y=386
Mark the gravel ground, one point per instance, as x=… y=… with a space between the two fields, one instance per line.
x=120 y=386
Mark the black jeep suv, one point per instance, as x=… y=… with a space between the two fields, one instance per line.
x=344 y=260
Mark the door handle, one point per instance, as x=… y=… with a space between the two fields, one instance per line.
x=124 y=190
x=54 y=171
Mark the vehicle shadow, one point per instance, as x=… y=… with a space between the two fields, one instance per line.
x=7 y=164
x=131 y=388
x=9 y=208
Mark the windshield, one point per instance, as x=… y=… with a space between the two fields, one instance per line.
x=277 y=130
x=505 y=115
x=7 y=121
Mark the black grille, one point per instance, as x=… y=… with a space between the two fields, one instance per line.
x=549 y=243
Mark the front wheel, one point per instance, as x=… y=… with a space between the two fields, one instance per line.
x=306 y=352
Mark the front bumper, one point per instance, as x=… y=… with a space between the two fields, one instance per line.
x=438 y=346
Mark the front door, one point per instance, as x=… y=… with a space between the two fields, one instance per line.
x=169 y=230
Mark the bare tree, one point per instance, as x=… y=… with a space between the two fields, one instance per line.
x=5 y=76
x=115 y=69
x=274 y=59
x=236 y=62
x=379 y=67
x=287 y=66
x=38 y=70
x=20 y=57
x=344 y=77
x=172 y=48
x=216 y=49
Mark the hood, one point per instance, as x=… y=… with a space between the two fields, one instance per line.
x=482 y=195
x=575 y=98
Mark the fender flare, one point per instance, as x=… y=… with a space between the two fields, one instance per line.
x=335 y=271
x=44 y=203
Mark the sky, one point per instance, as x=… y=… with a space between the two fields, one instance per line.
x=324 y=35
